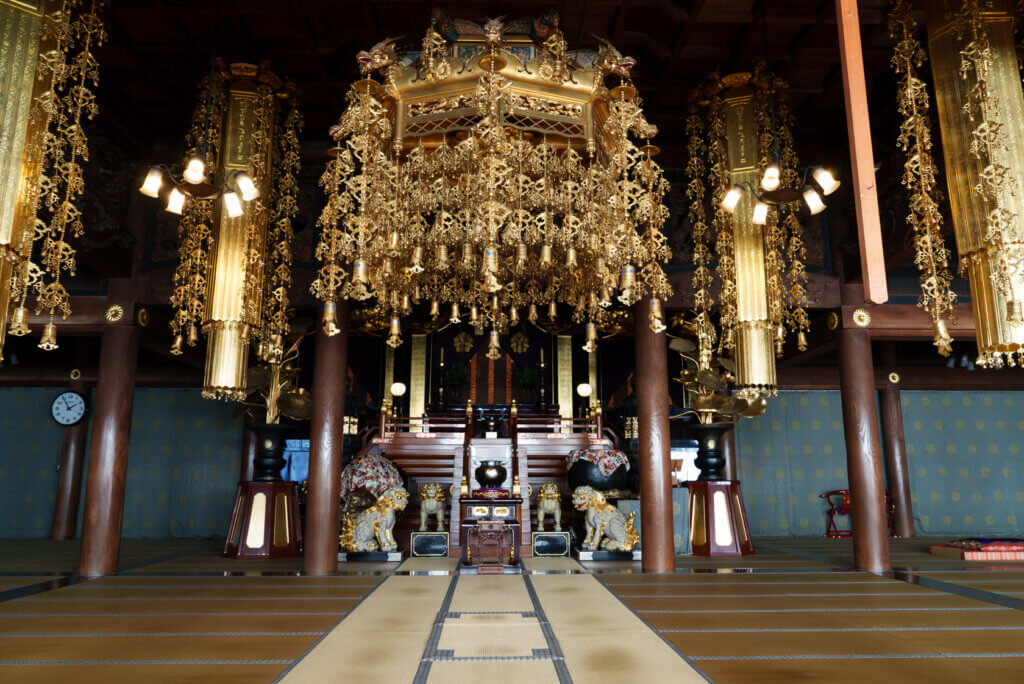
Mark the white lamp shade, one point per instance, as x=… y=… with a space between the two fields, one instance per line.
x=813 y=200
x=175 y=201
x=584 y=389
x=825 y=180
x=151 y=186
x=195 y=171
x=771 y=181
x=732 y=198
x=232 y=204
x=397 y=389
x=760 y=216
x=246 y=187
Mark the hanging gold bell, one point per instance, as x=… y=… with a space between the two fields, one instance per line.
x=455 y=317
x=545 y=255
x=19 y=322
x=361 y=272
x=513 y=315
x=801 y=340
x=627 y=277
x=48 y=341
x=406 y=304
x=600 y=268
x=435 y=308
x=193 y=335
x=521 y=255
x=606 y=298
x=395 y=334
x=943 y=341
x=493 y=347
x=591 y=345
x=592 y=300
x=393 y=240
x=657 y=320
x=553 y=310
x=388 y=266
x=330 y=319
x=177 y=344
x=442 y=256
x=495 y=309
x=474 y=315
x=491 y=259
x=467 y=255
x=417 y=260
x=531 y=313
x=570 y=258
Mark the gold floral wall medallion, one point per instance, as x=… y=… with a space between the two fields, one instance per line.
x=463 y=342
x=832 y=322
x=142 y=317
x=519 y=342
x=861 y=317
x=114 y=313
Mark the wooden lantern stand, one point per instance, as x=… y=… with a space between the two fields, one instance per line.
x=718 y=519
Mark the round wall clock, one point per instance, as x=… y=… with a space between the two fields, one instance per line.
x=68 y=408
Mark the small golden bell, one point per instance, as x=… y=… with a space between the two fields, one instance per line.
x=606 y=297
x=521 y=255
x=467 y=255
x=193 y=335
x=493 y=348
x=591 y=346
x=48 y=341
x=361 y=272
x=331 y=319
x=657 y=320
x=491 y=259
x=442 y=256
x=435 y=308
x=19 y=322
x=531 y=313
x=1015 y=312
x=627 y=277
x=417 y=259
x=513 y=315
x=395 y=334
x=553 y=310
x=801 y=340
x=177 y=344
x=388 y=267
x=393 y=241
x=455 y=317
x=570 y=258
x=474 y=315
x=545 y=255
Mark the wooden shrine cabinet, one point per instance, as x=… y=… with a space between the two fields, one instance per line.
x=491 y=532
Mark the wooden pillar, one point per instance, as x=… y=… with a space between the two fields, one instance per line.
x=895 y=448
x=69 y=479
x=108 y=456
x=326 y=443
x=246 y=466
x=655 y=464
x=863 y=451
x=862 y=159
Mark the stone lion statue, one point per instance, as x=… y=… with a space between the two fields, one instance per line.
x=606 y=528
x=432 y=505
x=549 y=502
x=371 y=529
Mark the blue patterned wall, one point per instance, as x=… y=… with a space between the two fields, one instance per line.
x=966 y=469
x=182 y=465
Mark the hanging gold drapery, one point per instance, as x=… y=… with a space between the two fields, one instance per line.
x=495 y=178
x=43 y=176
x=758 y=267
x=232 y=281
x=919 y=171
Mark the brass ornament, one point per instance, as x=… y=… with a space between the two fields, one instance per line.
x=142 y=317
x=492 y=178
x=919 y=176
x=832 y=321
x=36 y=252
x=894 y=377
x=861 y=317
x=75 y=374
x=114 y=313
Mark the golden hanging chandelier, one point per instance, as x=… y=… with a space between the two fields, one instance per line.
x=495 y=177
x=981 y=114
x=235 y=261
x=35 y=254
x=748 y=248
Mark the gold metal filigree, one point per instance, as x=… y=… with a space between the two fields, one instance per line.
x=114 y=313
x=861 y=317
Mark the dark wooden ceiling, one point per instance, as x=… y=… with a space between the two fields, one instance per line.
x=160 y=49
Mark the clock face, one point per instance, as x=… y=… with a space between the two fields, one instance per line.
x=68 y=408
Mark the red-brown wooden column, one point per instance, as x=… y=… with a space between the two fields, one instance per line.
x=655 y=464
x=863 y=451
x=895 y=448
x=108 y=456
x=326 y=442
x=69 y=479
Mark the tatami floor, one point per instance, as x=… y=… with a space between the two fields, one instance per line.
x=796 y=611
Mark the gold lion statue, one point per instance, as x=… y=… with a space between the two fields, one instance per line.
x=371 y=529
x=607 y=528
x=432 y=505
x=549 y=502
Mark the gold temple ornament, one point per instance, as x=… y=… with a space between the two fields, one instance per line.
x=742 y=185
x=232 y=280
x=491 y=175
x=35 y=252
